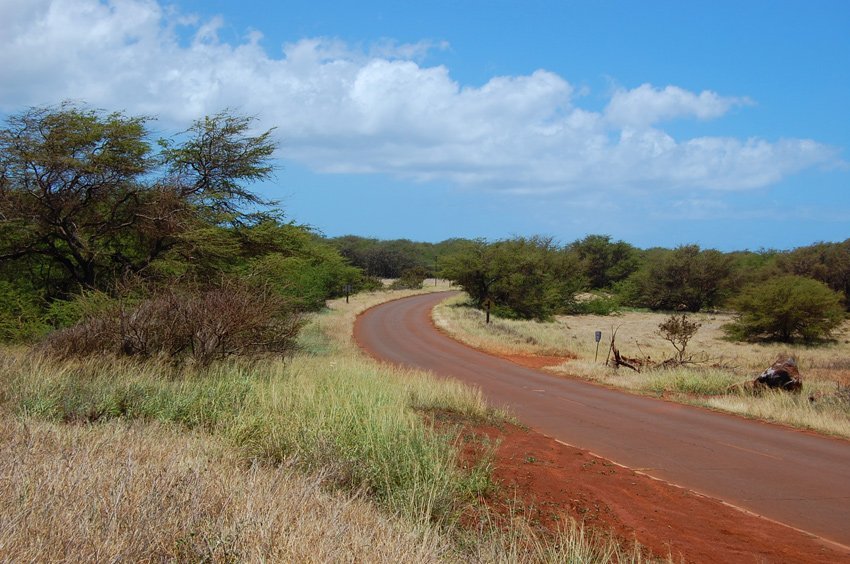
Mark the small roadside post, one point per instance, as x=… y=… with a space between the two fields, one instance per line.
x=347 y=292
x=598 y=337
x=487 y=303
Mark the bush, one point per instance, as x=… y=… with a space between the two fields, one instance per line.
x=524 y=278
x=411 y=279
x=21 y=317
x=598 y=305
x=684 y=279
x=231 y=320
x=786 y=308
x=678 y=330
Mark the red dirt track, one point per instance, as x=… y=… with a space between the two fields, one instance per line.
x=798 y=479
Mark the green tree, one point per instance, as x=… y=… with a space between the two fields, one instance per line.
x=82 y=192
x=827 y=262
x=411 y=279
x=786 y=308
x=71 y=187
x=471 y=266
x=214 y=161
x=296 y=263
x=604 y=262
x=528 y=278
x=90 y=206
x=685 y=278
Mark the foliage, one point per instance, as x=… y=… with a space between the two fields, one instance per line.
x=384 y=259
x=678 y=330
x=603 y=262
x=411 y=279
x=526 y=278
x=604 y=304
x=234 y=319
x=389 y=259
x=295 y=263
x=70 y=189
x=82 y=192
x=684 y=279
x=88 y=209
x=20 y=314
x=827 y=262
x=785 y=308
x=218 y=158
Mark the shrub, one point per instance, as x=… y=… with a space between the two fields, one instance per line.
x=684 y=279
x=678 y=330
x=597 y=305
x=233 y=319
x=21 y=317
x=785 y=308
x=411 y=279
x=524 y=278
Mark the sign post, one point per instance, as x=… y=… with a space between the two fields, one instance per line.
x=598 y=337
x=347 y=292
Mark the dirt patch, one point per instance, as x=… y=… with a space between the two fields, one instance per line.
x=533 y=361
x=549 y=481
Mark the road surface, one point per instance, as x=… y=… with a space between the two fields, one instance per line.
x=794 y=477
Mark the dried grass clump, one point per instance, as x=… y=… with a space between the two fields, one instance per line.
x=234 y=319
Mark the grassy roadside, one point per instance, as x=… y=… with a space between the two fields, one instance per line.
x=248 y=461
x=712 y=383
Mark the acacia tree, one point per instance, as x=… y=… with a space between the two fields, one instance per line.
x=211 y=167
x=686 y=278
x=785 y=308
x=69 y=185
x=604 y=262
x=529 y=278
x=84 y=193
x=827 y=262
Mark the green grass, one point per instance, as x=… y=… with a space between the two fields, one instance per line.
x=356 y=421
x=689 y=381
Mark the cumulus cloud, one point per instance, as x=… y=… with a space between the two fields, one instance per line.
x=380 y=109
x=646 y=105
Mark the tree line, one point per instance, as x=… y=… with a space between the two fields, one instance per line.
x=779 y=295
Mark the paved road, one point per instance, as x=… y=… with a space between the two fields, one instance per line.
x=793 y=477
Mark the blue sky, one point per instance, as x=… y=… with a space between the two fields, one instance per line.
x=660 y=123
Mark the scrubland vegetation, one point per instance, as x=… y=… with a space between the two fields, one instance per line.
x=173 y=385
x=716 y=375
x=323 y=456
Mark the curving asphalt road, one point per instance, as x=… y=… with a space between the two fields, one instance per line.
x=797 y=478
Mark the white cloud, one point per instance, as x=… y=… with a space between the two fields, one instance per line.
x=340 y=109
x=645 y=105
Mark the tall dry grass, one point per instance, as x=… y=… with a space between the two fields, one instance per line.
x=131 y=492
x=713 y=380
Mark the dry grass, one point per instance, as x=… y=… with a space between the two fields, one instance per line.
x=825 y=368
x=134 y=492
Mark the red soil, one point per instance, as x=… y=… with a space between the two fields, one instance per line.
x=532 y=361
x=548 y=479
